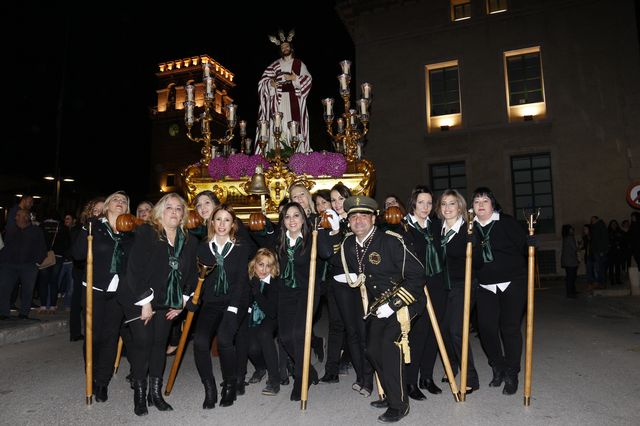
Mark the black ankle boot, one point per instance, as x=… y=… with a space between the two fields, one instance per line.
x=210 y=395
x=498 y=377
x=139 y=394
x=228 y=394
x=240 y=387
x=155 y=395
x=510 y=384
x=101 y=393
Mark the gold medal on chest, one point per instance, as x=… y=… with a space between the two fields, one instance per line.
x=375 y=258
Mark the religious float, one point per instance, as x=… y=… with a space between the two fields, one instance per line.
x=259 y=182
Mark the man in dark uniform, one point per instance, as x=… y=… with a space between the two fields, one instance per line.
x=380 y=261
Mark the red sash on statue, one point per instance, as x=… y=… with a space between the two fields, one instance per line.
x=288 y=87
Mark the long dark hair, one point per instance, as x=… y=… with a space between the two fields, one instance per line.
x=306 y=230
x=413 y=199
x=566 y=230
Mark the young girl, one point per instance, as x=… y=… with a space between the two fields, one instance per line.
x=225 y=299
x=257 y=331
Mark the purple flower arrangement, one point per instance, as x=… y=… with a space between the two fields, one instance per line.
x=236 y=166
x=318 y=164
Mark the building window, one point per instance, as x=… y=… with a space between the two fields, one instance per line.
x=448 y=176
x=443 y=96
x=171 y=180
x=496 y=6
x=460 y=10
x=533 y=188
x=524 y=83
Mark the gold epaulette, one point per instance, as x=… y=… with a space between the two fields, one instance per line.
x=394 y=234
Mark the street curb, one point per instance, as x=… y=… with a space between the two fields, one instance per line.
x=33 y=331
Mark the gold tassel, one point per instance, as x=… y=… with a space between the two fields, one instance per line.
x=402 y=315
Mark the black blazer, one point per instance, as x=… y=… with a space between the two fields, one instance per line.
x=148 y=267
x=237 y=270
x=268 y=299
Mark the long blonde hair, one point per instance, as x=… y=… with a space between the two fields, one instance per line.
x=264 y=252
x=156 y=213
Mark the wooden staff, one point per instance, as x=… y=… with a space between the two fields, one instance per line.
x=528 y=366
x=118 y=356
x=89 y=322
x=306 y=360
x=464 y=358
x=204 y=271
x=365 y=309
x=443 y=351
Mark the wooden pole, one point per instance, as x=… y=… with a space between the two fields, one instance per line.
x=464 y=357
x=306 y=360
x=530 y=300
x=204 y=271
x=118 y=356
x=443 y=351
x=89 y=322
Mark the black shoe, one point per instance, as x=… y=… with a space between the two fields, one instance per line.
x=210 y=395
x=472 y=388
x=101 y=393
x=296 y=391
x=430 y=386
x=393 y=415
x=415 y=393
x=240 y=387
x=76 y=338
x=380 y=403
x=510 y=385
x=257 y=376
x=285 y=381
x=271 y=389
x=330 y=378
x=139 y=397
x=228 y=395
x=498 y=377
x=155 y=395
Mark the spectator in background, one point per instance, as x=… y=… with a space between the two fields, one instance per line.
x=143 y=211
x=24 y=248
x=634 y=237
x=615 y=258
x=57 y=239
x=65 y=277
x=626 y=245
x=569 y=259
x=322 y=200
x=588 y=256
x=25 y=203
x=600 y=249
x=393 y=200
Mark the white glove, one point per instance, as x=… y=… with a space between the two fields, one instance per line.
x=333 y=219
x=384 y=311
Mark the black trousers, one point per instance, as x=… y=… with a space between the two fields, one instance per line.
x=499 y=323
x=386 y=358
x=75 y=313
x=452 y=333
x=424 y=347
x=215 y=320
x=258 y=343
x=147 y=344
x=292 y=311
x=571 y=274
x=107 y=318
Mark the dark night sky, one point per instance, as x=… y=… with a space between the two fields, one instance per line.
x=92 y=65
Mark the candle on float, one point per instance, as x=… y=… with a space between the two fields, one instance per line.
x=367 y=88
x=188 y=113
x=207 y=70
x=209 y=88
x=363 y=105
x=243 y=128
x=277 y=122
x=344 y=82
x=189 y=88
x=293 y=128
x=352 y=117
x=328 y=107
x=263 y=124
x=346 y=67
x=340 y=123
x=231 y=114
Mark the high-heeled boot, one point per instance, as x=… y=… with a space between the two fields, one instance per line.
x=139 y=397
x=155 y=395
x=210 y=394
x=228 y=393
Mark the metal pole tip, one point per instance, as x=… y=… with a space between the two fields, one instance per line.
x=527 y=401
x=303 y=405
x=457 y=397
x=89 y=400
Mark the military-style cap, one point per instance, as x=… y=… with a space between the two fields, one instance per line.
x=360 y=204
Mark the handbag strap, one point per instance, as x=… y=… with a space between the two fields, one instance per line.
x=54 y=236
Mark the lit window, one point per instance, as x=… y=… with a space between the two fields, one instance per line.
x=533 y=188
x=443 y=96
x=171 y=180
x=496 y=6
x=460 y=10
x=448 y=176
x=524 y=84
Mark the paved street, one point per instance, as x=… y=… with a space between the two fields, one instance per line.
x=586 y=359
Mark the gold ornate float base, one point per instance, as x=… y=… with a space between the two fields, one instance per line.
x=360 y=178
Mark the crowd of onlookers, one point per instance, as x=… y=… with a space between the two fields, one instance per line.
x=607 y=251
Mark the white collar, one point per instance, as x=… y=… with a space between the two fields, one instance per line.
x=494 y=216
x=221 y=246
x=456 y=226
x=361 y=244
x=414 y=220
x=267 y=279
x=293 y=242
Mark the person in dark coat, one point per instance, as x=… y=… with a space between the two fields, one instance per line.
x=161 y=273
x=569 y=259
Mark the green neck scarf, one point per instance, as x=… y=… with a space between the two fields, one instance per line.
x=443 y=244
x=487 y=253
x=289 y=275
x=432 y=262
x=118 y=253
x=257 y=315
x=174 y=291
x=221 y=285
